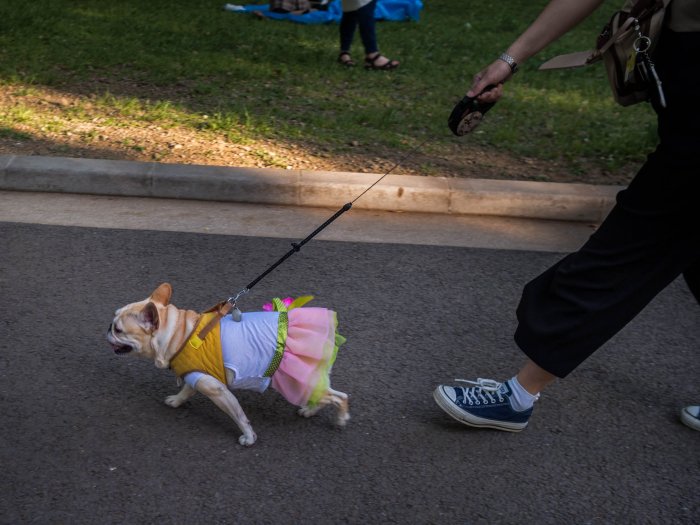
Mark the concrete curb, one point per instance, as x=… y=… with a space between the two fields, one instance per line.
x=539 y=200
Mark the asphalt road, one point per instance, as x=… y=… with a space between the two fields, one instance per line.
x=86 y=438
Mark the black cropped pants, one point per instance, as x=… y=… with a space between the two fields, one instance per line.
x=651 y=236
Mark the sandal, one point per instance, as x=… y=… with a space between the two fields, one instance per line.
x=344 y=59
x=371 y=63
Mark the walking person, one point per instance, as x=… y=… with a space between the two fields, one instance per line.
x=651 y=236
x=360 y=13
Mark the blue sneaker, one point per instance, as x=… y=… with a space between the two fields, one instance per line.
x=485 y=405
x=691 y=416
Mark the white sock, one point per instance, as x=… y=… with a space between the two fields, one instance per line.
x=521 y=398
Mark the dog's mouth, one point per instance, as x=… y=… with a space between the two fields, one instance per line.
x=121 y=349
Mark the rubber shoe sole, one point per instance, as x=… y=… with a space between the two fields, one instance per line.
x=689 y=419
x=471 y=420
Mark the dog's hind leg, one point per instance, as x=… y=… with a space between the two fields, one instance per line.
x=331 y=397
x=183 y=395
x=340 y=401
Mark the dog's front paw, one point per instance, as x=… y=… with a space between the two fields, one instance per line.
x=174 y=401
x=247 y=439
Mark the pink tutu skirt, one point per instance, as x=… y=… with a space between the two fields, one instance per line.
x=312 y=345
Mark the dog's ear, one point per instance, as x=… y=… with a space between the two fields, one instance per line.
x=162 y=294
x=149 y=317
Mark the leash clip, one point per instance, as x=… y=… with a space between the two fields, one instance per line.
x=232 y=300
x=236 y=314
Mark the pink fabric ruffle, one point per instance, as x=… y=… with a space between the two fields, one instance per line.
x=312 y=344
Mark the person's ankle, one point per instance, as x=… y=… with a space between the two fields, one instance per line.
x=521 y=399
x=533 y=378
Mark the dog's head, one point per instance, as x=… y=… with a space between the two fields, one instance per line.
x=134 y=327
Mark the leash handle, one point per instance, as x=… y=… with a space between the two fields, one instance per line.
x=468 y=113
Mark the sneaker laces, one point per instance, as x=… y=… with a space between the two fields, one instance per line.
x=483 y=392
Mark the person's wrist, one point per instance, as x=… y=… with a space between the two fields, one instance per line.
x=510 y=60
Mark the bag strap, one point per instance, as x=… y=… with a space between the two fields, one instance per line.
x=639 y=10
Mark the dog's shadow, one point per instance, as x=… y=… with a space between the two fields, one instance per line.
x=268 y=413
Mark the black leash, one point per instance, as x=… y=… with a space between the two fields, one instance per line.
x=465 y=116
x=296 y=246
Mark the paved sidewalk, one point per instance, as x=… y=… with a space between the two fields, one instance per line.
x=441 y=195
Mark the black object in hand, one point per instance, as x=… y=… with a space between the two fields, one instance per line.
x=468 y=113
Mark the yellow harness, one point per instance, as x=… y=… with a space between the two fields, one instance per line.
x=202 y=351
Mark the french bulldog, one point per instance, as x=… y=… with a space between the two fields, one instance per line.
x=262 y=348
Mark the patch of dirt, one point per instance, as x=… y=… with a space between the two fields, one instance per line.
x=69 y=124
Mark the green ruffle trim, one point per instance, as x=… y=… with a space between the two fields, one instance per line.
x=324 y=380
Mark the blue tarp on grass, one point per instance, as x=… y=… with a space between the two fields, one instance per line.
x=392 y=10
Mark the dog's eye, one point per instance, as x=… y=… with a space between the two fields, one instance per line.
x=117 y=330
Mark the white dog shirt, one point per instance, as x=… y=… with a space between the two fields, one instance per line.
x=247 y=346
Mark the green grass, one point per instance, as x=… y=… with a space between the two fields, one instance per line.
x=192 y=64
x=12 y=134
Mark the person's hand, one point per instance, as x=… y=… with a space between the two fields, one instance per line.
x=495 y=74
